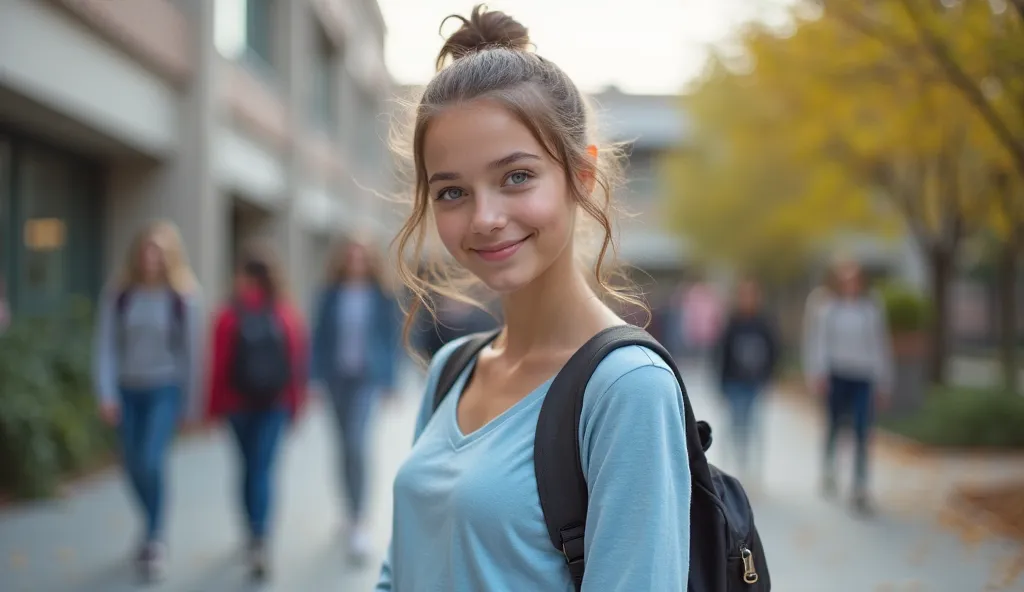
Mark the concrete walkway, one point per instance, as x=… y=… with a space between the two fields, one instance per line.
x=81 y=543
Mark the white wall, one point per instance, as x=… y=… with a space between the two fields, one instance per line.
x=51 y=58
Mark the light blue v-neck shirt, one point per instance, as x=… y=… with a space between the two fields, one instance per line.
x=467 y=516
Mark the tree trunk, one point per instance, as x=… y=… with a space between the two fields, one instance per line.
x=1006 y=282
x=941 y=262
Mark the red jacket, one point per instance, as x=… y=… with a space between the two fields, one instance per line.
x=222 y=399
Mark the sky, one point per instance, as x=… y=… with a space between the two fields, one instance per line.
x=640 y=46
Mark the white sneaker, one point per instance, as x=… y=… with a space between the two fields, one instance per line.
x=151 y=562
x=360 y=544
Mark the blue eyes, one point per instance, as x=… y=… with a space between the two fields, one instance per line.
x=518 y=178
x=450 y=193
x=513 y=179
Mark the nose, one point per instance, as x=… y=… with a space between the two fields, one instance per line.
x=488 y=213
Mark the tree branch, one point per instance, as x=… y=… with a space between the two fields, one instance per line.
x=969 y=88
x=1019 y=5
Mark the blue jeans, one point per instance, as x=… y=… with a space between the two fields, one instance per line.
x=353 y=400
x=741 y=398
x=849 y=398
x=148 y=421
x=258 y=434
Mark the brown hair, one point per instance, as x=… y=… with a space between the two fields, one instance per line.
x=488 y=57
x=337 y=264
x=259 y=262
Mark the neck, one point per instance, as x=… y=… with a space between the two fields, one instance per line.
x=557 y=311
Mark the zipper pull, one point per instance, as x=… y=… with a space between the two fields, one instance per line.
x=749 y=570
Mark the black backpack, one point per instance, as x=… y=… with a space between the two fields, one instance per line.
x=726 y=553
x=262 y=367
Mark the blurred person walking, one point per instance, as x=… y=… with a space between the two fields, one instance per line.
x=814 y=305
x=747 y=355
x=451 y=319
x=356 y=338
x=146 y=348
x=702 y=319
x=258 y=384
x=851 y=367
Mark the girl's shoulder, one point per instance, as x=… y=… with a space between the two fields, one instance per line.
x=630 y=370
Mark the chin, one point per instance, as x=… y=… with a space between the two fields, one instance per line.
x=504 y=280
x=504 y=283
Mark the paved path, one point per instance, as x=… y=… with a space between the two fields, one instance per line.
x=80 y=543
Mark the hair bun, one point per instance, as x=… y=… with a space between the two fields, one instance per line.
x=482 y=30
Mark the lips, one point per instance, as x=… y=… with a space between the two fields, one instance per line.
x=499 y=251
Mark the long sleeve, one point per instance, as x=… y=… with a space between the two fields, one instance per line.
x=883 y=349
x=633 y=447
x=721 y=354
x=299 y=351
x=810 y=348
x=318 y=336
x=193 y=354
x=219 y=356
x=104 y=350
x=816 y=356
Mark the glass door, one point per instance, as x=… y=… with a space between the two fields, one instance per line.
x=43 y=194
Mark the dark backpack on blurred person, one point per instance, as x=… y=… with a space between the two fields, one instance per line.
x=261 y=366
x=726 y=554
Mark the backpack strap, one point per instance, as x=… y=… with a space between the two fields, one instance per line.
x=457 y=362
x=121 y=304
x=560 y=481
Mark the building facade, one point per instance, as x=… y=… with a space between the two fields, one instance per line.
x=233 y=118
x=650 y=126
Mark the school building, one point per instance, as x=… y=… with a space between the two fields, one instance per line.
x=233 y=118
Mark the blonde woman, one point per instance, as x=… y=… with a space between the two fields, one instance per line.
x=356 y=338
x=146 y=345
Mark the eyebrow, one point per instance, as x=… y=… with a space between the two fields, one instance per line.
x=497 y=164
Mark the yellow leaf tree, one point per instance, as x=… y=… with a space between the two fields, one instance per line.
x=826 y=121
x=976 y=47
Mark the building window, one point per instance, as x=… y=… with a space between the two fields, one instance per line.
x=258 y=30
x=243 y=31
x=324 y=82
x=50 y=218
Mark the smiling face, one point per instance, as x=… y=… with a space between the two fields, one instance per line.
x=502 y=205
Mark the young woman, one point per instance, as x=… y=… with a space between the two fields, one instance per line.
x=508 y=176
x=747 y=358
x=851 y=366
x=258 y=384
x=145 y=360
x=355 y=345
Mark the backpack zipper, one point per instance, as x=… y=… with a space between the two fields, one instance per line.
x=750 y=575
x=749 y=570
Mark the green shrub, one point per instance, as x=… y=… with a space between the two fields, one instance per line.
x=906 y=309
x=48 y=421
x=967 y=418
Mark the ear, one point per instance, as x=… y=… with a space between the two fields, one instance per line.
x=587 y=176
